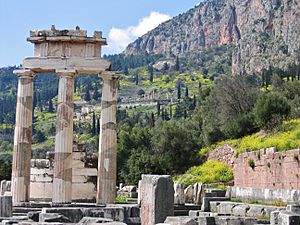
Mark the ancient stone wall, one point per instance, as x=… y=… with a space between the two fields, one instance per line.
x=84 y=176
x=224 y=153
x=268 y=168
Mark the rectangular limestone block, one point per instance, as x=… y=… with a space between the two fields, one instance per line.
x=157 y=199
x=41 y=178
x=46 y=171
x=40 y=190
x=83 y=191
x=78 y=155
x=77 y=164
x=5 y=206
x=85 y=172
x=79 y=179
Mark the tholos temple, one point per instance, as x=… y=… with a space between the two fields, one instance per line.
x=67 y=53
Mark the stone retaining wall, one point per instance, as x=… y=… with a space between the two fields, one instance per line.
x=264 y=195
x=268 y=169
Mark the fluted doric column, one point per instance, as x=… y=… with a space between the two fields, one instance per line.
x=23 y=137
x=107 y=159
x=62 y=179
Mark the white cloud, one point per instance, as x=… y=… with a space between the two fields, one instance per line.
x=119 y=38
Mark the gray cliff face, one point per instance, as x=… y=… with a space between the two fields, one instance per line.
x=265 y=33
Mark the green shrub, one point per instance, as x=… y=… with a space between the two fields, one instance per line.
x=251 y=163
x=271 y=109
x=209 y=172
x=240 y=126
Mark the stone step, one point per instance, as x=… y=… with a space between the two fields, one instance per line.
x=181 y=212
x=19 y=214
x=25 y=210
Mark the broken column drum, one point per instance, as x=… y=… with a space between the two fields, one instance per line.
x=66 y=53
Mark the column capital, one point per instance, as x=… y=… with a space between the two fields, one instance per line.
x=109 y=75
x=66 y=72
x=24 y=73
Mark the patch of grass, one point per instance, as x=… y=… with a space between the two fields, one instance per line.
x=210 y=172
x=121 y=199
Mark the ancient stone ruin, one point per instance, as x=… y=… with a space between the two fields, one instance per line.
x=66 y=53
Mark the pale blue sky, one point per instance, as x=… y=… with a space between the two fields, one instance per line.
x=17 y=17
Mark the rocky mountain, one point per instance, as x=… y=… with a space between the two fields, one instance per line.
x=263 y=32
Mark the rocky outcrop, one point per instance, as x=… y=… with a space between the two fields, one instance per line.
x=265 y=33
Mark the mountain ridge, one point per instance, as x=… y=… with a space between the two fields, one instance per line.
x=264 y=33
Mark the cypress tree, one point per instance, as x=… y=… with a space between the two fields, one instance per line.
x=152 y=119
x=94 y=124
x=87 y=96
x=158 y=109
x=186 y=92
x=51 y=108
x=179 y=90
x=177 y=64
x=98 y=126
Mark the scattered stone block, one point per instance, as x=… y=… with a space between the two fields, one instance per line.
x=179 y=198
x=293 y=208
x=206 y=203
x=189 y=194
x=206 y=220
x=157 y=199
x=198 y=193
x=2 y=187
x=255 y=211
x=35 y=215
x=274 y=217
x=53 y=217
x=8 y=186
x=288 y=218
x=240 y=210
x=74 y=215
x=232 y=220
x=89 y=220
x=5 y=206
x=181 y=220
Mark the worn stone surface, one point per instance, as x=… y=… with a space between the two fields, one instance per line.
x=71 y=214
x=89 y=220
x=2 y=187
x=157 y=199
x=189 y=194
x=272 y=170
x=198 y=193
x=179 y=198
x=288 y=218
x=5 y=206
x=206 y=206
x=274 y=217
x=264 y=195
x=22 y=137
x=62 y=178
x=53 y=217
x=107 y=160
x=293 y=208
x=34 y=215
x=181 y=220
